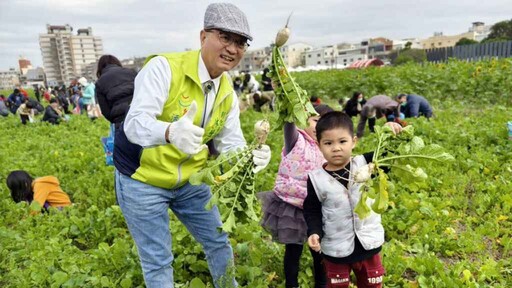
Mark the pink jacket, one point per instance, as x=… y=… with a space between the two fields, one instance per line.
x=292 y=176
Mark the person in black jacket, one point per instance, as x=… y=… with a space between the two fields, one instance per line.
x=354 y=106
x=52 y=114
x=114 y=88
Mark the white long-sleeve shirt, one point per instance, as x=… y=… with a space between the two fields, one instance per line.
x=151 y=91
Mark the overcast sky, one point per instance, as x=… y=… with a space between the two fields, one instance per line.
x=137 y=28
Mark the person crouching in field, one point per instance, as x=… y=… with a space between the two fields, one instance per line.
x=44 y=190
x=282 y=207
x=52 y=113
x=26 y=113
x=346 y=242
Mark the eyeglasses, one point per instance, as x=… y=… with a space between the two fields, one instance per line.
x=227 y=39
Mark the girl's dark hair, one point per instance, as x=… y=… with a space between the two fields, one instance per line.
x=323 y=109
x=334 y=120
x=104 y=61
x=20 y=184
x=356 y=94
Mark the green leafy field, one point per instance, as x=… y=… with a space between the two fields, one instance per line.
x=453 y=231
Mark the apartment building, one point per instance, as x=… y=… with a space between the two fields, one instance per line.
x=9 y=79
x=66 y=56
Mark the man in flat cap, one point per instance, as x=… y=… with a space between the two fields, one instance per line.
x=183 y=109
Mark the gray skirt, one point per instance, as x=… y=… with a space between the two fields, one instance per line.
x=283 y=221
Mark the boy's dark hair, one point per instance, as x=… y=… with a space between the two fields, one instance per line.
x=313 y=98
x=29 y=104
x=20 y=184
x=323 y=109
x=53 y=100
x=106 y=60
x=16 y=91
x=333 y=120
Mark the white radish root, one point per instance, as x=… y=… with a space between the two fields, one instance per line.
x=261 y=130
x=283 y=34
x=364 y=173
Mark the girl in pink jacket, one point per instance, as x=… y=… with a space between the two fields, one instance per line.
x=282 y=207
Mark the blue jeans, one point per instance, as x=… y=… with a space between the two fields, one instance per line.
x=145 y=209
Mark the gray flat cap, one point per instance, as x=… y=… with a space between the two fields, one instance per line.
x=227 y=17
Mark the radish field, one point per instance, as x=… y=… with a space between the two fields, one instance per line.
x=453 y=230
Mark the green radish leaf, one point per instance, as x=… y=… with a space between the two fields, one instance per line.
x=362 y=210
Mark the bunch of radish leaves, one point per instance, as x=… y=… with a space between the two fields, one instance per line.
x=232 y=181
x=405 y=154
x=292 y=102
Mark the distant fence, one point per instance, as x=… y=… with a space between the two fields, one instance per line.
x=473 y=52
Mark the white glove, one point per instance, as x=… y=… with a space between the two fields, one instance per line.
x=185 y=135
x=261 y=158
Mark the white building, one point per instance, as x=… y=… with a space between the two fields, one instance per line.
x=324 y=56
x=481 y=30
x=255 y=60
x=293 y=54
x=400 y=44
x=9 y=79
x=348 y=54
x=33 y=77
x=65 y=55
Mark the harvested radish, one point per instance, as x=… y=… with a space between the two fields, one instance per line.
x=283 y=34
x=364 y=173
x=231 y=178
x=291 y=101
x=403 y=153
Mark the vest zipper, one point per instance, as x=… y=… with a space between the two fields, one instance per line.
x=223 y=98
x=179 y=171
x=349 y=188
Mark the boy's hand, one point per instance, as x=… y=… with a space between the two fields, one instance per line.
x=314 y=242
x=397 y=128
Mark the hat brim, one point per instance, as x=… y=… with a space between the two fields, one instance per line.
x=248 y=37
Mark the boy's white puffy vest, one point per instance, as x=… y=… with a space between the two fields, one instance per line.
x=340 y=223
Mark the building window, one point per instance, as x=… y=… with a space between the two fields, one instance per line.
x=309 y=55
x=351 y=59
x=326 y=62
x=359 y=59
x=318 y=55
x=318 y=62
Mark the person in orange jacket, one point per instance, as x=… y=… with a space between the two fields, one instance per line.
x=44 y=190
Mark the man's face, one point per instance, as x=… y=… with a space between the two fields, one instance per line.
x=221 y=51
x=402 y=99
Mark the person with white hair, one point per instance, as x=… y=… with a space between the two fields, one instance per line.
x=88 y=98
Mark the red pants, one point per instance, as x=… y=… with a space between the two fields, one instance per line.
x=369 y=273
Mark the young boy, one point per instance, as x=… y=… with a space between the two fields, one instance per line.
x=26 y=112
x=347 y=242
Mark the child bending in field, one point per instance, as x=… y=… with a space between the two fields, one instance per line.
x=282 y=207
x=347 y=242
x=26 y=112
x=44 y=190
